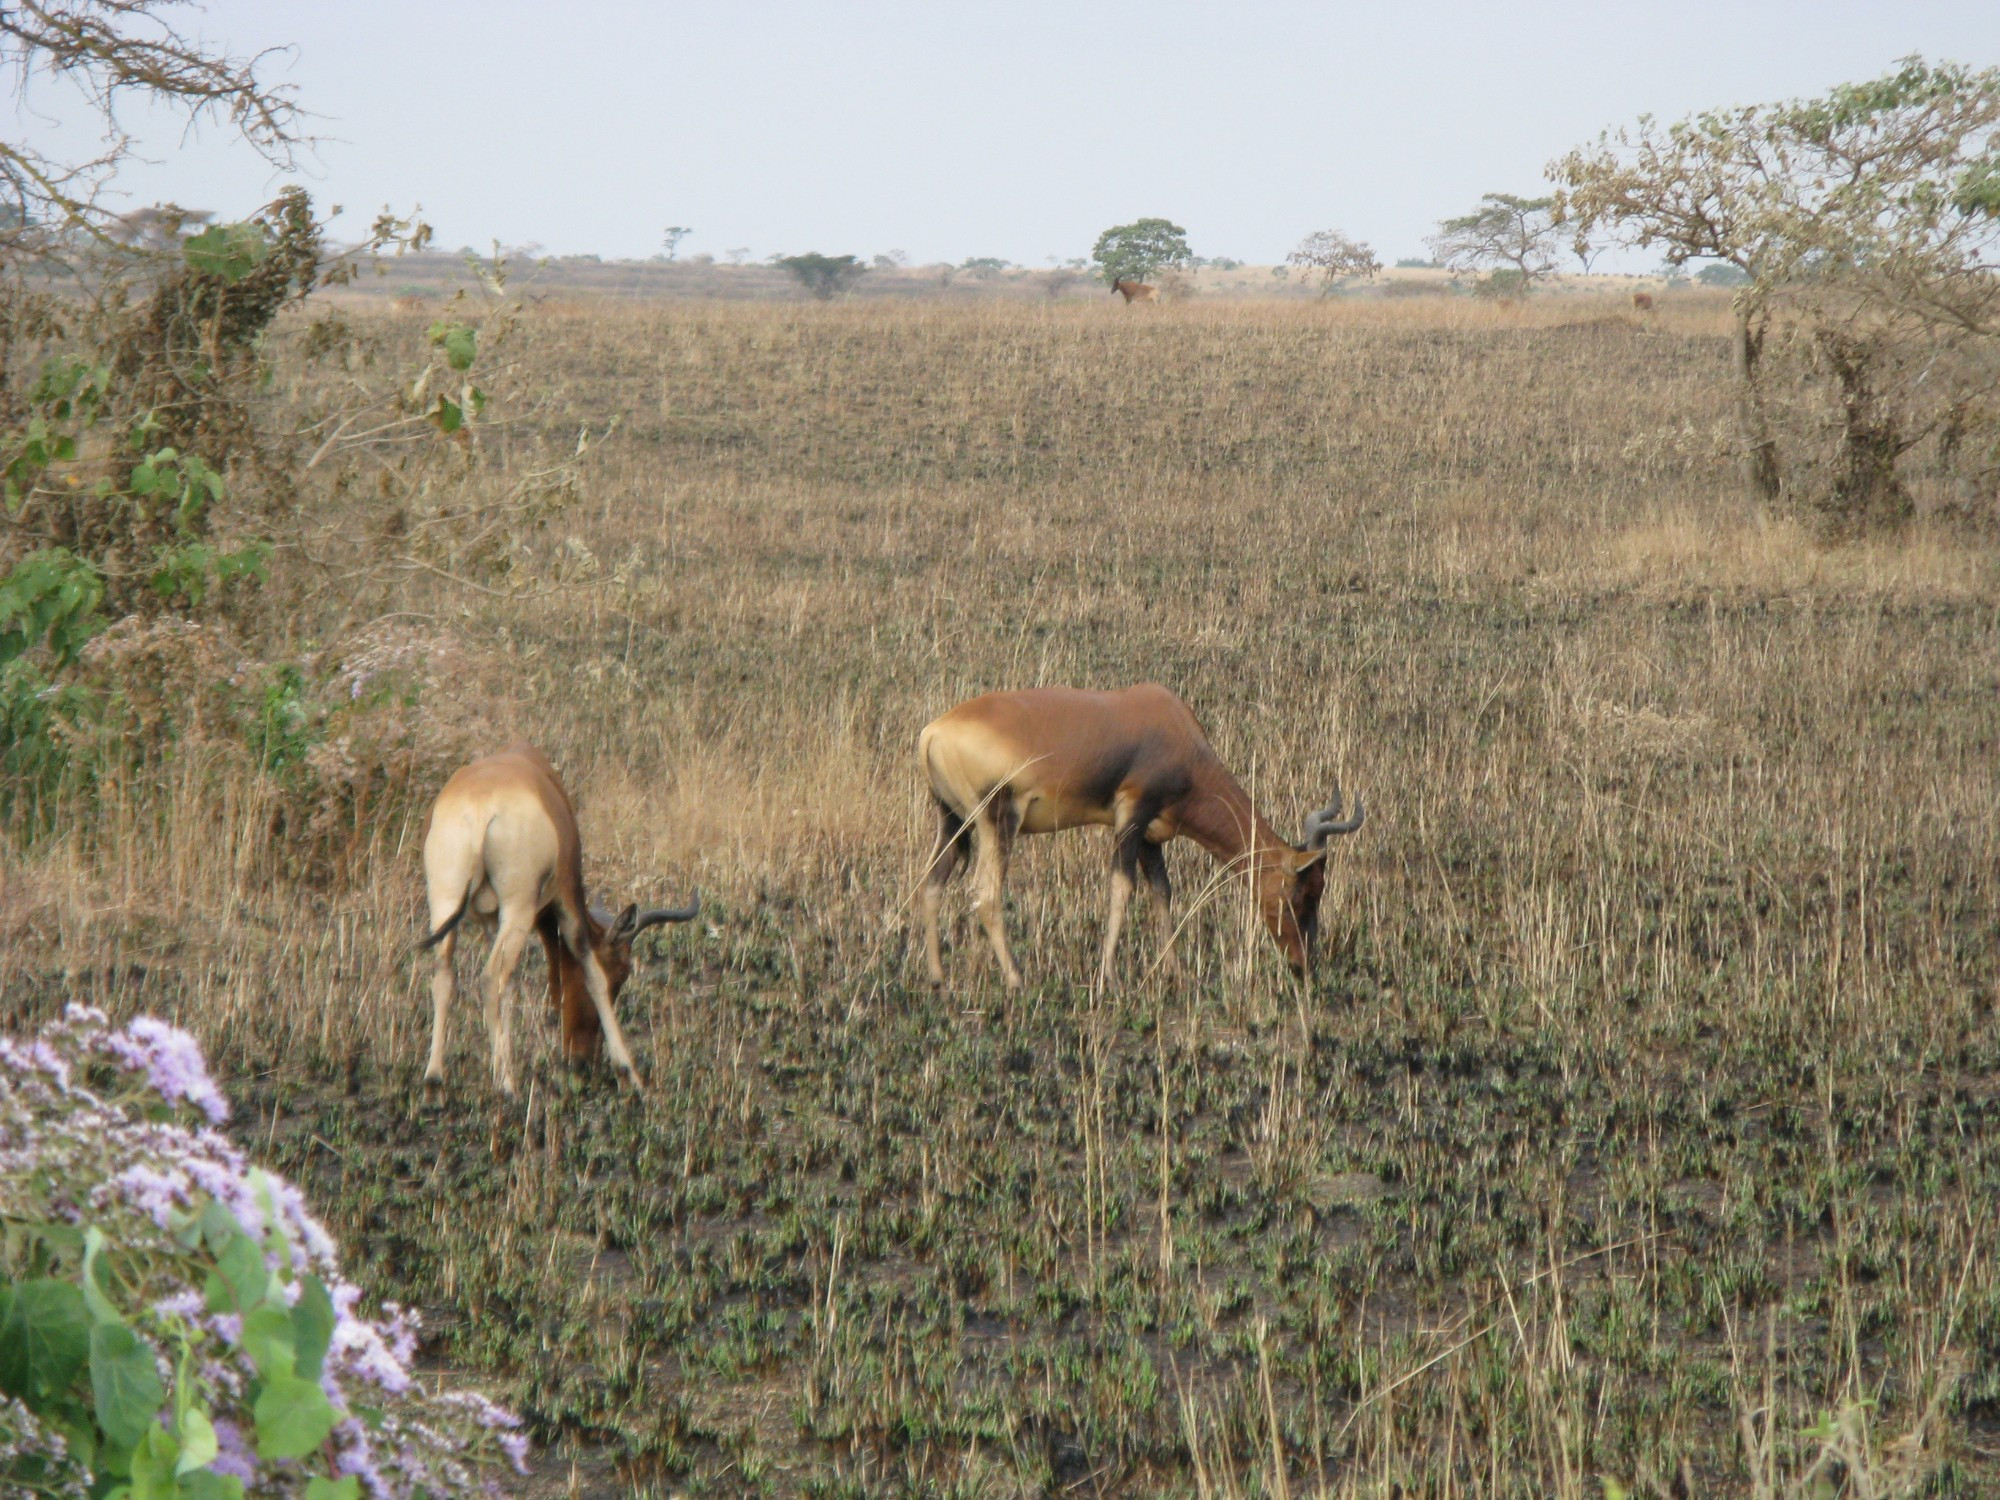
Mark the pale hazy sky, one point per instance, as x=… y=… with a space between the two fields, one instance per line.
x=1019 y=130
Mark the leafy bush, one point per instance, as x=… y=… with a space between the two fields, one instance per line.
x=48 y=613
x=1505 y=284
x=338 y=749
x=173 y=1322
x=825 y=276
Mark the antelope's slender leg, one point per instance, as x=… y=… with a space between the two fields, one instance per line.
x=1125 y=845
x=501 y=964
x=1153 y=861
x=996 y=827
x=582 y=1038
x=946 y=861
x=578 y=943
x=441 y=988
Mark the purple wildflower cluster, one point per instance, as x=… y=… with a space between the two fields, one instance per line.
x=25 y=1442
x=172 y=1063
x=89 y=1137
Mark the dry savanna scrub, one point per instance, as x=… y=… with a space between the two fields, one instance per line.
x=1640 y=1123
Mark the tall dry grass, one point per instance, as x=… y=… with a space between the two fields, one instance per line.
x=1618 y=1137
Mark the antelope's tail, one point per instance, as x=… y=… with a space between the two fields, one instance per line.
x=450 y=924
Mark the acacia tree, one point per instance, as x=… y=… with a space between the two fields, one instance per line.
x=1140 y=250
x=109 y=52
x=822 y=275
x=1869 y=218
x=1335 y=259
x=1512 y=239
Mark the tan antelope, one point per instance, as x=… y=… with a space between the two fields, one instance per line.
x=501 y=844
x=1135 y=291
x=1642 y=302
x=1135 y=761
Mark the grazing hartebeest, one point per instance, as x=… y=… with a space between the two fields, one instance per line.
x=1642 y=302
x=1136 y=760
x=1135 y=291
x=501 y=842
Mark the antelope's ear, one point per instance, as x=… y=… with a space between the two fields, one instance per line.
x=1304 y=859
x=627 y=920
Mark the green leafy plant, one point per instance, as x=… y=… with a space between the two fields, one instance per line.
x=188 y=574
x=1143 y=248
x=228 y=252
x=187 y=1336
x=51 y=599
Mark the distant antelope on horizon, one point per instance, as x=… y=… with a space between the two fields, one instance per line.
x=1135 y=291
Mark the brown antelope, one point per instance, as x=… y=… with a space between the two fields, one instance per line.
x=1135 y=291
x=501 y=843
x=1642 y=302
x=1136 y=761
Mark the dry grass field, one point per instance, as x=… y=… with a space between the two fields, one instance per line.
x=1639 y=1129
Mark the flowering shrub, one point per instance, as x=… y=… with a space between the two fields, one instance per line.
x=173 y=1322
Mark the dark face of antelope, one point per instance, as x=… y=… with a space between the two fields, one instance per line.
x=611 y=944
x=614 y=952
x=1292 y=881
x=1288 y=897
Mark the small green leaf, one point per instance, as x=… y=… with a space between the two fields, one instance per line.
x=459 y=341
x=198 y=1443
x=123 y=1383
x=44 y=1338
x=242 y=1266
x=293 y=1418
x=227 y=251
x=347 y=1487
x=267 y=1339
x=448 y=416
x=218 y=1226
x=93 y=1274
x=206 y=1484
x=312 y=1327
x=155 y=1464
x=185 y=1228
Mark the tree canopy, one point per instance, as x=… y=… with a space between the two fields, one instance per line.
x=1869 y=218
x=825 y=276
x=1511 y=238
x=1141 y=249
x=1335 y=258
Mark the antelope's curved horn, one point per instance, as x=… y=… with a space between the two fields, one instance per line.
x=664 y=914
x=1325 y=823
